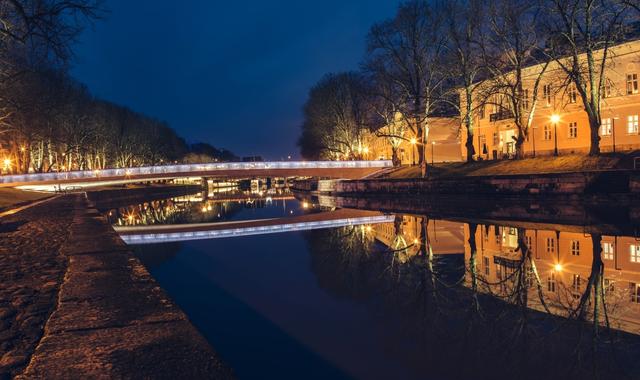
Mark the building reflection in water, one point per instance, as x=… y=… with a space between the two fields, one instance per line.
x=537 y=303
x=571 y=274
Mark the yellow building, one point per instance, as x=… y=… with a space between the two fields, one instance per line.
x=569 y=132
x=563 y=261
x=443 y=143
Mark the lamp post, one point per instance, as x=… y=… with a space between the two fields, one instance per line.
x=555 y=118
x=413 y=142
x=433 y=144
x=613 y=133
x=533 y=137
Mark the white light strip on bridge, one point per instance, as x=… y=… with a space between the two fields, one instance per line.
x=191 y=168
x=152 y=238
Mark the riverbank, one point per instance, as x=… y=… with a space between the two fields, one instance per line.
x=74 y=302
x=530 y=166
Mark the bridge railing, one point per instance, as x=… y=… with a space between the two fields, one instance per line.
x=187 y=168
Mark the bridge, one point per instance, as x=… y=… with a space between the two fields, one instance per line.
x=330 y=169
x=183 y=232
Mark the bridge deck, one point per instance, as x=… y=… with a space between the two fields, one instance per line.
x=331 y=169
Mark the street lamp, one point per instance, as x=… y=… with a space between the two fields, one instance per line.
x=433 y=144
x=413 y=142
x=555 y=118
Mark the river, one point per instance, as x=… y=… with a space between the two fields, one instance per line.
x=416 y=297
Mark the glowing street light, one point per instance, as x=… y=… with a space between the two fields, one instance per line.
x=557 y=267
x=555 y=118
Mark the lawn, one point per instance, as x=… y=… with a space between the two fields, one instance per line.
x=565 y=163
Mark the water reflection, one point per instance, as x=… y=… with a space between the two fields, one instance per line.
x=198 y=208
x=459 y=298
x=539 y=302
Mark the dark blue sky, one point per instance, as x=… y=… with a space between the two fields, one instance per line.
x=233 y=73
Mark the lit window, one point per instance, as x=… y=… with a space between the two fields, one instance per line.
x=634 y=253
x=551 y=282
x=551 y=245
x=573 y=130
x=525 y=99
x=546 y=93
x=607 y=250
x=632 y=84
x=575 y=248
x=606 y=127
x=576 y=283
x=573 y=94
x=547 y=132
x=634 y=292
x=632 y=124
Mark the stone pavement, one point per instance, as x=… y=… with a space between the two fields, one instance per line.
x=105 y=315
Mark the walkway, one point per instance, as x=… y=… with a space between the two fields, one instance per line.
x=75 y=303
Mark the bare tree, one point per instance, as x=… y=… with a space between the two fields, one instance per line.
x=408 y=50
x=335 y=118
x=513 y=58
x=583 y=32
x=465 y=22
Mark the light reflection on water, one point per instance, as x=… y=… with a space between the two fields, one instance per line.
x=417 y=298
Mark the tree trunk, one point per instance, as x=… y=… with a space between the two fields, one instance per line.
x=594 y=127
x=394 y=156
x=519 y=146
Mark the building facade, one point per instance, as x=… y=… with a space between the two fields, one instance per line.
x=568 y=131
x=443 y=143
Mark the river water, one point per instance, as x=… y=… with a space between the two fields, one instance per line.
x=552 y=295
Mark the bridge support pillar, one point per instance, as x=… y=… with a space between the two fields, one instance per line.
x=205 y=188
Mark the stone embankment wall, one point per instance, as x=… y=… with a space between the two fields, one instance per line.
x=557 y=184
x=80 y=305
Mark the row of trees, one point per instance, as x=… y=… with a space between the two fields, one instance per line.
x=457 y=56
x=49 y=121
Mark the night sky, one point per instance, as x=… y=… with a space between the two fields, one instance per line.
x=235 y=73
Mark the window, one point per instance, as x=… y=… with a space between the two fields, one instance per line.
x=496 y=139
x=576 y=283
x=608 y=89
x=575 y=248
x=482 y=140
x=634 y=292
x=485 y=262
x=573 y=94
x=607 y=250
x=525 y=99
x=481 y=112
x=573 y=130
x=605 y=127
x=632 y=124
x=634 y=253
x=551 y=282
x=551 y=245
x=547 y=132
x=529 y=245
x=546 y=94
x=632 y=84
x=609 y=285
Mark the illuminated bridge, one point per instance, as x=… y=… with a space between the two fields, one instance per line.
x=183 y=232
x=330 y=169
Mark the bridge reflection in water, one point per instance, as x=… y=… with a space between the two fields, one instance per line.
x=199 y=231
